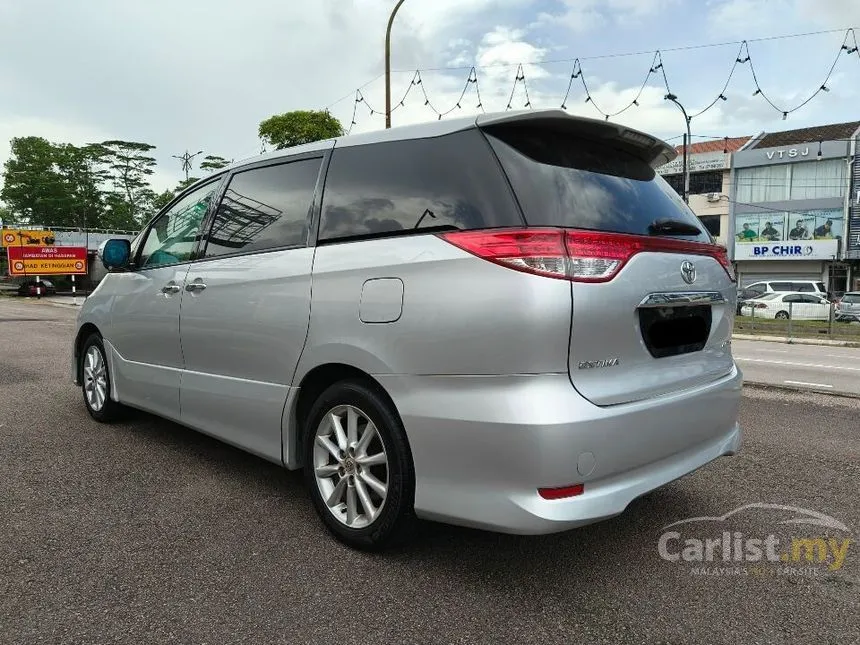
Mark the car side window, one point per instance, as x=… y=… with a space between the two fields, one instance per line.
x=265 y=208
x=804 y=286
x=792 y=298
x=174 y=235
x=756 y=290
x=781 y=286
x=408 y=186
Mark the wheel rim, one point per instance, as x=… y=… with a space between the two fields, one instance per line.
x=350 y=466
x=95 y=378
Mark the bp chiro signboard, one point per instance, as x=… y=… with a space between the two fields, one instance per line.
x=47 y=260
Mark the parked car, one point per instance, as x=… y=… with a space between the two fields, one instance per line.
x=509 y=322
x=29 y=288
x=848 y=307
x=782 y=306
x=784 y=286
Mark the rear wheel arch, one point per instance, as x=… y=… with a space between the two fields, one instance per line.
x=317 y=381
x=86 y=330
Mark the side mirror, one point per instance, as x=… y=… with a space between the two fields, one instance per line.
x=115 y=254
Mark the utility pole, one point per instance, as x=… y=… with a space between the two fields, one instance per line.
x=186 y=160
x=687 y=141
x=388 y=65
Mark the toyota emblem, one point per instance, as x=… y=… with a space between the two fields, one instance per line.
x=688 y=271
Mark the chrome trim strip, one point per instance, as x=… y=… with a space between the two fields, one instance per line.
x=682 y=299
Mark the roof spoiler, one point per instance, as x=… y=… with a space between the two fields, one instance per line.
x=651 y=150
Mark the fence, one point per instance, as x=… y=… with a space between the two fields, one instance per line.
x=797 y=320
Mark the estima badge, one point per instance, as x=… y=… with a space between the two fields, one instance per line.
x=603 y=362
x=688 y=271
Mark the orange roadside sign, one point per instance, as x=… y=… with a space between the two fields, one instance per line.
x=47 y=260
x=26 y=237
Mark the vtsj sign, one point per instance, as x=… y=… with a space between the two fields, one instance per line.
x=804 y=250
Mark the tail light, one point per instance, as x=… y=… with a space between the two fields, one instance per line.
x=573 y=254
x=759 y=305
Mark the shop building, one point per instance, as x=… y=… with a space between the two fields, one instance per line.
x=710 y=180
x=788 y=206
x=852 y=238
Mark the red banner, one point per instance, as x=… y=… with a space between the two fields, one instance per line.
x=47 y=260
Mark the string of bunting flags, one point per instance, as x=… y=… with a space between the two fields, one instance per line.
x=743 y=57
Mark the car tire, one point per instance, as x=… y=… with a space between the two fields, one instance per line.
x=781 y=315
x=344 y=485
x=95 y=378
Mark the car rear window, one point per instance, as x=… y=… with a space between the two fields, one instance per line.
x=768 y=296
x=565 y=180
x=415 y=186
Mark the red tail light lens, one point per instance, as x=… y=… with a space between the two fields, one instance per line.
x=534 y=250
x=572 y=254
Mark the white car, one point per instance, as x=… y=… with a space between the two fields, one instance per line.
x=785 y=305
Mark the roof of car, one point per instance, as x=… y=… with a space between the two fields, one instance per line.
x=663 y=151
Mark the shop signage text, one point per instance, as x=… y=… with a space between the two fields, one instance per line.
x=697 y=163
x=807 y=250
x=791 y=152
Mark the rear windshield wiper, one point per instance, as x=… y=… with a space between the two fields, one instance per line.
x=672 y=227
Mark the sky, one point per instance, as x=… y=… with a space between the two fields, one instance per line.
x=201 y=74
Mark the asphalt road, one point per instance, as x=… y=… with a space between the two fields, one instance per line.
x=816 y=367
x=146 y=532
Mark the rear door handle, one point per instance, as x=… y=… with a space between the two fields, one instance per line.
x=195 y=286
x=170 y=288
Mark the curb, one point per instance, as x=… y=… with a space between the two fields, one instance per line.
x=796 y=341
x=806 y=390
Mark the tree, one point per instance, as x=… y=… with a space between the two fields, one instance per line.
x=82 y=172
x=213 y=162
x=129 y=168
x=298 y=127
x=33 y=189
x=162 y=199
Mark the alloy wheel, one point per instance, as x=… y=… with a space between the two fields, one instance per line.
x=350 y=466
x=95 y=378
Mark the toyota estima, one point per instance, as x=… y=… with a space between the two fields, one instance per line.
x=508 y=322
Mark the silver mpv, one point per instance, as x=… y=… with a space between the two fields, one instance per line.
x=508 y=322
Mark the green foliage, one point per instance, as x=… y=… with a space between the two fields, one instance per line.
x=213 y=163
x=101 y=185
x=298 y=127
x=129 y=166
x=162 y=199
x=185 y=183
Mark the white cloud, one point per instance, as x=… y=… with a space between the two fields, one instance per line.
x=200 y=74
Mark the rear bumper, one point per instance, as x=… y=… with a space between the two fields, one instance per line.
x=483 y=445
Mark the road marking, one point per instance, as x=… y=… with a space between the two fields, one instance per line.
x=829 y=367
x=809 y=384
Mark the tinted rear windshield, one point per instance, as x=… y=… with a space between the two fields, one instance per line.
x=565 y=180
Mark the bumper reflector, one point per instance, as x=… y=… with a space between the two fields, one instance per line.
x=561 y=492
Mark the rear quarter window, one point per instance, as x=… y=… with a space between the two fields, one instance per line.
x=415 y=186
x=561 y=179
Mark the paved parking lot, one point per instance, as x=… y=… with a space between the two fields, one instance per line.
x=149 y=533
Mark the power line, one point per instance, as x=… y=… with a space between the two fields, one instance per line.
x=743 y=56
x=636 y=53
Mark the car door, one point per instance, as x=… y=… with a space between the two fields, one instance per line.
x=818 y=307
x=246 y=306
x=146 y=356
